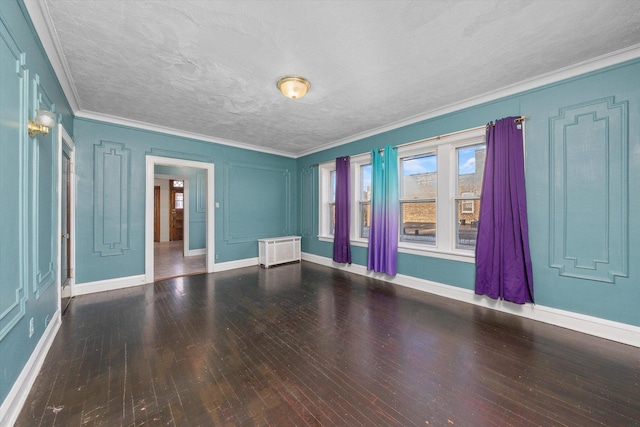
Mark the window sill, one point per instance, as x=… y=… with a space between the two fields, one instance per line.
x=461 y=256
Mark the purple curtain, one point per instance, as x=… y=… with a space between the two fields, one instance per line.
x=341 y=243
x=503 y=261
x=383 y=233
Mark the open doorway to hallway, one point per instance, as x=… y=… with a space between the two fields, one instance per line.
x=195 y=252
x=172 y=255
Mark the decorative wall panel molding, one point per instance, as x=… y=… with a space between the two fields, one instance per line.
x=589 y=190
x=45 y=197
x=111 y=202
x=201 y=192
x=257 y=202
x=14 y=166
x=308 y=203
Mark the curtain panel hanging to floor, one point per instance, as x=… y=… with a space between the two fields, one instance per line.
x=383 y=234
x=341 y=242
x=503 y=260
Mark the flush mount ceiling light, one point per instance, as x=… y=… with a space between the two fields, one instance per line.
x=293 y=86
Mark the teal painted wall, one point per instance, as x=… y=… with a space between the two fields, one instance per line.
x=197 y=201
x=253 y=189
x=28 y=185
x=583 y=188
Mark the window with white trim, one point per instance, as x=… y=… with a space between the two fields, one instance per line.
x=418 y=194
x=440 y=182
x=327 y=199
x=363 y=222
x=440 y=187
x=470 y=169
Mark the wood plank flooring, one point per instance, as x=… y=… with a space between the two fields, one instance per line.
x=169 y=261
x=306 y=345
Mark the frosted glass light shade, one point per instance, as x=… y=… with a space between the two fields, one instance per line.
x=45 y=118
x=293 y=86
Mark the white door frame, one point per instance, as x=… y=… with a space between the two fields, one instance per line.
x=151 y=162
x=64 y=138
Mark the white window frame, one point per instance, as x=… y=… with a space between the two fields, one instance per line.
x=417 y=150
x=447 y=197
x=446 y=201
x=356 y=181
x=324 y=216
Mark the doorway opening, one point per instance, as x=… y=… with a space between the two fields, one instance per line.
x=172 y=245
x=66 y=218
x=170 y=249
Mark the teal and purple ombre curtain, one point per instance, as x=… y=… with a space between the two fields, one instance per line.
x=503 y=260
x=341 y=243
x=383 y=234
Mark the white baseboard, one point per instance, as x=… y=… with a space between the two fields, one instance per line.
x=232 y=265
x=194 y=252
x=14 y=401
x=614 y=331
x=108 y=285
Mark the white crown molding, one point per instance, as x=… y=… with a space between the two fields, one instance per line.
x=575 y=70
x=603 y=328
x=41 y=20
x=91 y=115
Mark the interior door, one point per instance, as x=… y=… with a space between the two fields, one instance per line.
x=176 y=209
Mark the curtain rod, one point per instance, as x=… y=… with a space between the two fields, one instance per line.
x=516 y=120
x=380 y=150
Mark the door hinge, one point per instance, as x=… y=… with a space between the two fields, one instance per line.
x=71 y=273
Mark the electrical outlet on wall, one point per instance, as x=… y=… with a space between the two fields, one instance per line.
x=31 y=327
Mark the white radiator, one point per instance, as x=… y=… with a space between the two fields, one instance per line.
x=278 y=250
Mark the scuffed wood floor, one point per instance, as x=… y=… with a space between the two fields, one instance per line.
x=169 y=261
x=303 y=345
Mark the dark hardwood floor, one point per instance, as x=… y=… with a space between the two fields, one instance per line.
x=302 y=344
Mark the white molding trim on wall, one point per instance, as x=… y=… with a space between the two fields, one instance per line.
x=194 y=252
x=41 y=19
x=575 y=70
x=39 y=14
x=17 y=396
x=109 y=284
x=232 y=265
x=614 y=331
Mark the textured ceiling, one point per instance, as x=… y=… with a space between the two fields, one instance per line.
x=210 y=67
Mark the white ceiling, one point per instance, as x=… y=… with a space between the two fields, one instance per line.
x=210 y=67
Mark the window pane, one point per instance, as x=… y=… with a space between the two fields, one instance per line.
x=178 y=184
x=470 y=169
x=365 y=219
x=332 y=218
x=467 y=223
x=419 y=177
x=333 y=187
x=471 y=160
x=418 y=222
x=365 y=183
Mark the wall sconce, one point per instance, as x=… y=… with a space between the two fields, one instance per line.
x=293 y=86
x=43 y=121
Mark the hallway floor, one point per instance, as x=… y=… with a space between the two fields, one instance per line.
x=168 y=261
